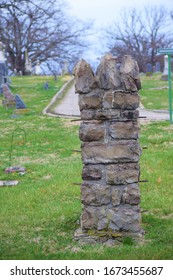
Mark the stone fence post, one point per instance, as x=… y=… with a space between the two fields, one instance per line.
x=109 y=131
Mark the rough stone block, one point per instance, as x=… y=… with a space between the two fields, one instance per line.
x=124 y=130
x=92 y=131
x=121 y=100
x=108 y=99
x=92 y=172
x=88 y=114
x=125 y=100
x=92 y=100
x=85 y=78
x=125 y=173
x=95 y=218
x=108 y=73
x=129 y=115
x=131 y=194
x=130 y=74
x=95 y=194
x=114 y=152
x=124 y=218
x=89 y=218
x=117 y=194
x=105 y=114
x=109 y=114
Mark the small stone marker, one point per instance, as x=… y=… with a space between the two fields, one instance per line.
x=3 y=67
x=46 y=86
x=13 y=169
x=158 y=68
x=165 y=71
x=2 y=74
x=8 y=183
x=19 y=102
x=149 y=69
x=9 y=99
x=37 y=68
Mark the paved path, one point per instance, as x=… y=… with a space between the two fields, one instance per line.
x=69 y=107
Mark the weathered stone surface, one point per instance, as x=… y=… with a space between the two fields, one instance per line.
x=129 y=115
x=130 y=74
x=131 y=194
x=125 y=100
x=85 y=79
x=95 y=194
x=108 y=99
x=110 y=151
x=92 y=172
x=125 y=173
x=19 y=102
x=88 y=114
x=92 y=100
x=7 y=93
x=116 y=114
x=124 y=130
x=103 y=221
x=124 y=218
x=108 y=74
x=121 y=100
x=92 y=131
x=114 y=152
x=104 y=114
x=89 y=218
x=117 y=194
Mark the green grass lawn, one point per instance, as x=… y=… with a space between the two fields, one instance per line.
x=39 y=216
x=154 y=92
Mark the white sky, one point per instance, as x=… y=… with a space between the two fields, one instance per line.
x=103 y=13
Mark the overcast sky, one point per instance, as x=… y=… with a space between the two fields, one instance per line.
x=103 y=12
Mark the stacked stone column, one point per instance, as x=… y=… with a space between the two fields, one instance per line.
x=109 y=131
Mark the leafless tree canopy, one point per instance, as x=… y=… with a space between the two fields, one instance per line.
x=41 y=27
x=140 y=33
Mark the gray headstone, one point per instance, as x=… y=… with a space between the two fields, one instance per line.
x=3 y=68
x=2 y=75
x=19 y=102
x=158 y=68
x=7 y=93
x=149 y=69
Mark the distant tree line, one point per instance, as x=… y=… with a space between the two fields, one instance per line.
x=43 y=28
x=140 y=33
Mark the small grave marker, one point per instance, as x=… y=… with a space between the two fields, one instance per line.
x=169 y=53
x=165 y=70
x=149 y=69
x=9 y=99
x=8 y=183
x=158 y=68
x=19 y=102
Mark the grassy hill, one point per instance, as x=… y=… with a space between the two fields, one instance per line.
x=154 y=92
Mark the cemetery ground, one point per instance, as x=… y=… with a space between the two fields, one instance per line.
x=39 y=216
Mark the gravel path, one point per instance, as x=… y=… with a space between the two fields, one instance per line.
x=69 y=107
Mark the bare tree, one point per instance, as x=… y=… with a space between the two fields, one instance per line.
x=140 y=33
x=43 y=28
